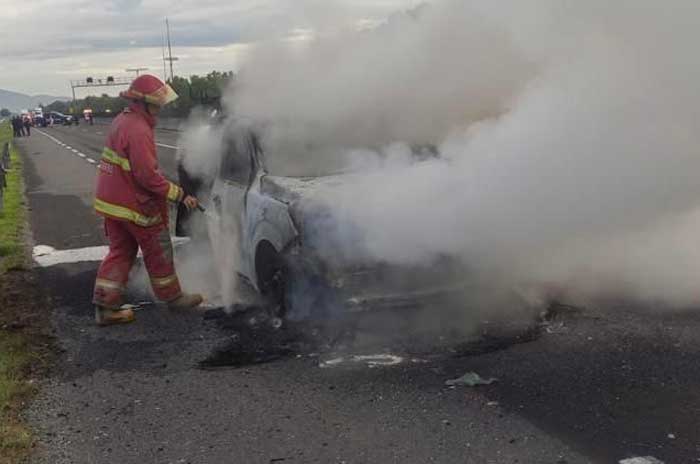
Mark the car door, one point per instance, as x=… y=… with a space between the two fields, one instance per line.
x=229 y=237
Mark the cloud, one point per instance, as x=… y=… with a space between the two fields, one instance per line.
x=61 y=36
x=52 y=75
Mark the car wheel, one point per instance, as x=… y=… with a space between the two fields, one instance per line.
x=272 y=274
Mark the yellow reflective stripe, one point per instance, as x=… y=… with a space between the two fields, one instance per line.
x=109 y=284
x=112 y=157
x=164 y=281
x=125 y=213
x=175 y=193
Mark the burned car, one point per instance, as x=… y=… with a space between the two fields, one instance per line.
x=280 y=242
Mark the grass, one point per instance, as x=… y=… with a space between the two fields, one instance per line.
x=16 y=353
x=15 y=358
x=13 y=214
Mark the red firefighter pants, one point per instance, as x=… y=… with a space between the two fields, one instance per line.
x=125 y=239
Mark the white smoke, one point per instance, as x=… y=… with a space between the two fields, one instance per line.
x=201 y=146
x=412 y=79
x=570 y=152
x=208 y=264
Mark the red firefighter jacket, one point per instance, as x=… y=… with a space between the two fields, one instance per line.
x=130 y=186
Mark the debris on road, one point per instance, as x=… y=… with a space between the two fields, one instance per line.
x=641 y=460
x=376 y=360
x=331 y=362
x=470 y=379
x=555 y=328
x=140 y=306
x=372 y=360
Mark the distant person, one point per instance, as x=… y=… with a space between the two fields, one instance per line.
x=27 y=127
x=50 y=121
x=132 y=195
x=16 y=126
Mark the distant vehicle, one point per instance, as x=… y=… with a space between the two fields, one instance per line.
x=60 y=118
x=38 y=117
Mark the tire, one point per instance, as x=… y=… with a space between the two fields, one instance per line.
x=272 y=275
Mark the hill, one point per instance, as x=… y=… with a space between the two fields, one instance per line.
x=15 y=101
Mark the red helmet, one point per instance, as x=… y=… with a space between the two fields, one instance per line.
x=150 y=89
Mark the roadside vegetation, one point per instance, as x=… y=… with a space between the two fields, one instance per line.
x=13 y=213
x=192 y=92
x=23 y=342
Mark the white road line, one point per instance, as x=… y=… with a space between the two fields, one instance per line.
x=46 y=256
x=74 y=150
x=68 y=147
x=45 y=135
x=167 y=146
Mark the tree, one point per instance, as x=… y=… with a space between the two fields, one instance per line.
x=203 y=91
x=5 y=112
x=58 y=106
x=194 y=91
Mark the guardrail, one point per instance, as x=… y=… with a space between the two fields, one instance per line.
x=4 y=169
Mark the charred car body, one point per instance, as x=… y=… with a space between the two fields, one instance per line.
x=282 y=241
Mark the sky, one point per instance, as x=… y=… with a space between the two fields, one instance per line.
x=47 y=43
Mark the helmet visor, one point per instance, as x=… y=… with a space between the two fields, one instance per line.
x=162 y=96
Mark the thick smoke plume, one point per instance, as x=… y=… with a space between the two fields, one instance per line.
x=567 y=132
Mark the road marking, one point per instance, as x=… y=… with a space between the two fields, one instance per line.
x=167 y=146
x=68 y=147
x=46 y=256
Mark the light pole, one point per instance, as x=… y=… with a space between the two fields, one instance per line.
x=170 y=57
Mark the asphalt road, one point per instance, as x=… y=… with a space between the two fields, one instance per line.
x=593 y=386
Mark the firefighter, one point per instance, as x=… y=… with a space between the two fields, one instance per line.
x=132 y=196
